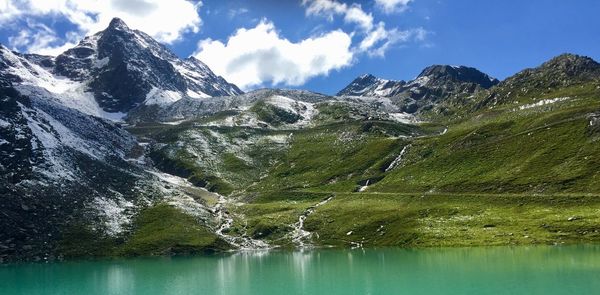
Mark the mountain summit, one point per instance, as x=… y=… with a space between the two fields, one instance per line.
x=115 y=71
x=369 y=85
x=562 y=71
x=457 y=74
x=128 y=68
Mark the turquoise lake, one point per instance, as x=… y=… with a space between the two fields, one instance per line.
x=496 y=270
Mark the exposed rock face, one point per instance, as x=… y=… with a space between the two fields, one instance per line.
x=126 y=68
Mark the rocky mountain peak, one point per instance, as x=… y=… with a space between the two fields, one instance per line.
x=369 y=85
x=571 y=64
x=444 y=73
x=561 y=71
x=437 y=88
x=125 y=68
x=118 y=24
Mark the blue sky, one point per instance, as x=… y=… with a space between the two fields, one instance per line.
x=321 y=45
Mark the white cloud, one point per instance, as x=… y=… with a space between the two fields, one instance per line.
x=253 y=57
x=166 y=21
x=377 y=39
x=386 y=38
x=329 y=8
x=355 y=14
x=258 y=56
x=390 y=6
x=233 y=13
x=40 y=39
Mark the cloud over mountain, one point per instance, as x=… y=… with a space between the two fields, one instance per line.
x=164 y=20
x=262 y=56
x=251 y=57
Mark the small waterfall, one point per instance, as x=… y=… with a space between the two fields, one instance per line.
x=364 y=187
x=299 y=235
x=397 y=160
x=225 y=221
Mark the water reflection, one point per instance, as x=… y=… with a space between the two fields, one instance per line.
x=523 y=270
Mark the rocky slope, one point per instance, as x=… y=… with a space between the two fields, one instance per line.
x=59 y=167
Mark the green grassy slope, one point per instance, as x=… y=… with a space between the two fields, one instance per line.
x=521 y=172
x=157 y=230
x=544 y=149
x=508 y=175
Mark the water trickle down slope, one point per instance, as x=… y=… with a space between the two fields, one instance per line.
x=396 y=161
x=299 y=235
x=224 y=223
x=217 y=216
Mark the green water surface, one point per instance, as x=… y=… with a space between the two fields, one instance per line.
x=502 y=270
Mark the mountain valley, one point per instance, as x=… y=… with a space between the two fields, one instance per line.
x=117 y=147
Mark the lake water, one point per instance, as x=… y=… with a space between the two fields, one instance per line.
x=502 y=270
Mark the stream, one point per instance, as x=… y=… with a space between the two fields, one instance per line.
x=224 y=224
x=299 y=235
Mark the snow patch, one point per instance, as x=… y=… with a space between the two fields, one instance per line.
x=4 y=124
x=114 y=213
x=405 y=118
x=161 y=97
x=100 y=63
x=196 y=94
x=53 y=137
x=305 y=110
x=40 y=82
x=543 y=102
x=420 y=81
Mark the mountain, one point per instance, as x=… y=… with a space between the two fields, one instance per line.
x=437 y=89
x=117 y=147
x=66 y=163
x=72 y=183
x=563 y=71
x=113 y=72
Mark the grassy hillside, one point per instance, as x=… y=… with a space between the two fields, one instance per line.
x=522 y=171
x=515 y=174
x=538 y=149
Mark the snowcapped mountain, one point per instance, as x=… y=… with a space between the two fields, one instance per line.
x=65 y=160
x=369 y=85
x=112 y=72
x=436 y=88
